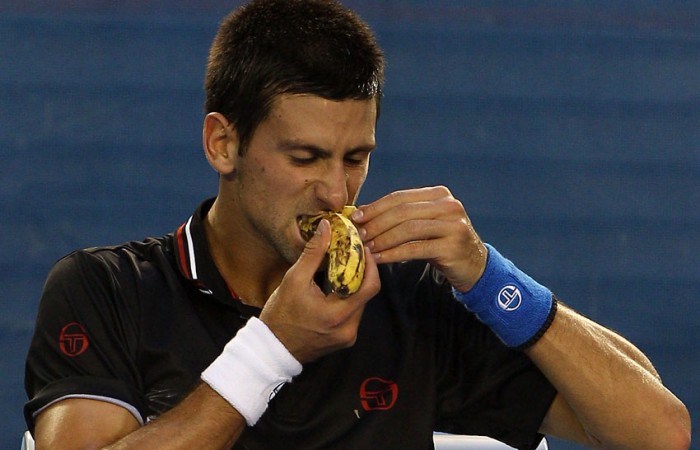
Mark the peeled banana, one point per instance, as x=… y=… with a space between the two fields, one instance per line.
x=345 y=255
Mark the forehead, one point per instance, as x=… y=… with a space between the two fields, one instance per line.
x=305 y=116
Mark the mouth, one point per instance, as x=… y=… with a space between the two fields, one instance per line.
x=307 y=224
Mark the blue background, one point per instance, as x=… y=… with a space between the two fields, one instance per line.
x=569 y=129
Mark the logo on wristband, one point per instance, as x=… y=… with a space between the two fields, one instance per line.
x=510 y=298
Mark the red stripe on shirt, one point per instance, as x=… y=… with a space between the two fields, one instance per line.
x=181 y=245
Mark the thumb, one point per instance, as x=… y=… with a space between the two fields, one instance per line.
x=315 y=250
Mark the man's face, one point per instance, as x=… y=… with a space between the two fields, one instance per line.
x=310 y=154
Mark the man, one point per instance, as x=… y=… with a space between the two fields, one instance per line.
x=217 y=335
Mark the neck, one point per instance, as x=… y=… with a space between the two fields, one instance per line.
x=248 y=271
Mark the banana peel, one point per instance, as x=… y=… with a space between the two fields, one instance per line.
x=345 y=256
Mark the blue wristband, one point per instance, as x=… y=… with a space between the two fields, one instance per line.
x=517 y=308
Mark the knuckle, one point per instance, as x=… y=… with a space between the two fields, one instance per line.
x=395 y=196
x=453 y=207
x=455 y=204
x=372 y=286
x=337 y=319
x=443 y=190
x=415 y=226
x=405 y=208
x=347 y=337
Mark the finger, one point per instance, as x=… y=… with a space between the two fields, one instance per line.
x=414 y=250
x=430 y=240
x=369 y=211
x=409 y=231
x=414 y=218
x=342 y=310
x=314 y=252
x=370 y=283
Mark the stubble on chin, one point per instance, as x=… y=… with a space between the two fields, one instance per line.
x=288 y=248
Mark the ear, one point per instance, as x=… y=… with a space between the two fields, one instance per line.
x=220 y=142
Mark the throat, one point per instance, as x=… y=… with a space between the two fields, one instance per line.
x=250 y=281
x=250 y=273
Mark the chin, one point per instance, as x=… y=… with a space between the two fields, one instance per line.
x=292 y=250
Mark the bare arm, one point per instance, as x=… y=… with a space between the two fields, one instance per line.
x=610 y=396
x=81 y=424
x=202 y=420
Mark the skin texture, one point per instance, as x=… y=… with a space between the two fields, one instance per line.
x=312 y=154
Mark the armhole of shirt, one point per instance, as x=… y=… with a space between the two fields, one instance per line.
x=130 y=408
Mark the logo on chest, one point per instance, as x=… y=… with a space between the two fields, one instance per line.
x=378 y=394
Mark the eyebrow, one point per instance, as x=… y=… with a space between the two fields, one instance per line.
x=320 y=151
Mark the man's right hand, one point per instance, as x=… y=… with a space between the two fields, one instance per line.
x=308 y=322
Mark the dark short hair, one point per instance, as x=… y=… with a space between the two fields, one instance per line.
x=272 y=47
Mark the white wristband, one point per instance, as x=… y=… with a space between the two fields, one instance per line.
x=251 y=368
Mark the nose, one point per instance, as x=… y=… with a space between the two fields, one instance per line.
x=332 y=188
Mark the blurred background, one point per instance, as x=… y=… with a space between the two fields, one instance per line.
x=570 y=130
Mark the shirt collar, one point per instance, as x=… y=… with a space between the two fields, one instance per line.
x=195 y=262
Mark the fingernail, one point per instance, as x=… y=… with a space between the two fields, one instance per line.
x=320 y=224
x=363 y=233
x=357 y=215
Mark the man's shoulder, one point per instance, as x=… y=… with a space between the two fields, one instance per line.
x=153 y=252
x=143 y=249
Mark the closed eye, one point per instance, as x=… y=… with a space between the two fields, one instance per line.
x=306 y=155
x=355 y=161
x=357 y=158
x=303 y=160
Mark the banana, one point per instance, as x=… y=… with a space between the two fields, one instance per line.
x=345 y=255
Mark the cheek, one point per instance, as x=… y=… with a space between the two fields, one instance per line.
x=282 y=183
x=265 y=174
x=354 y=184
x=357 y=178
